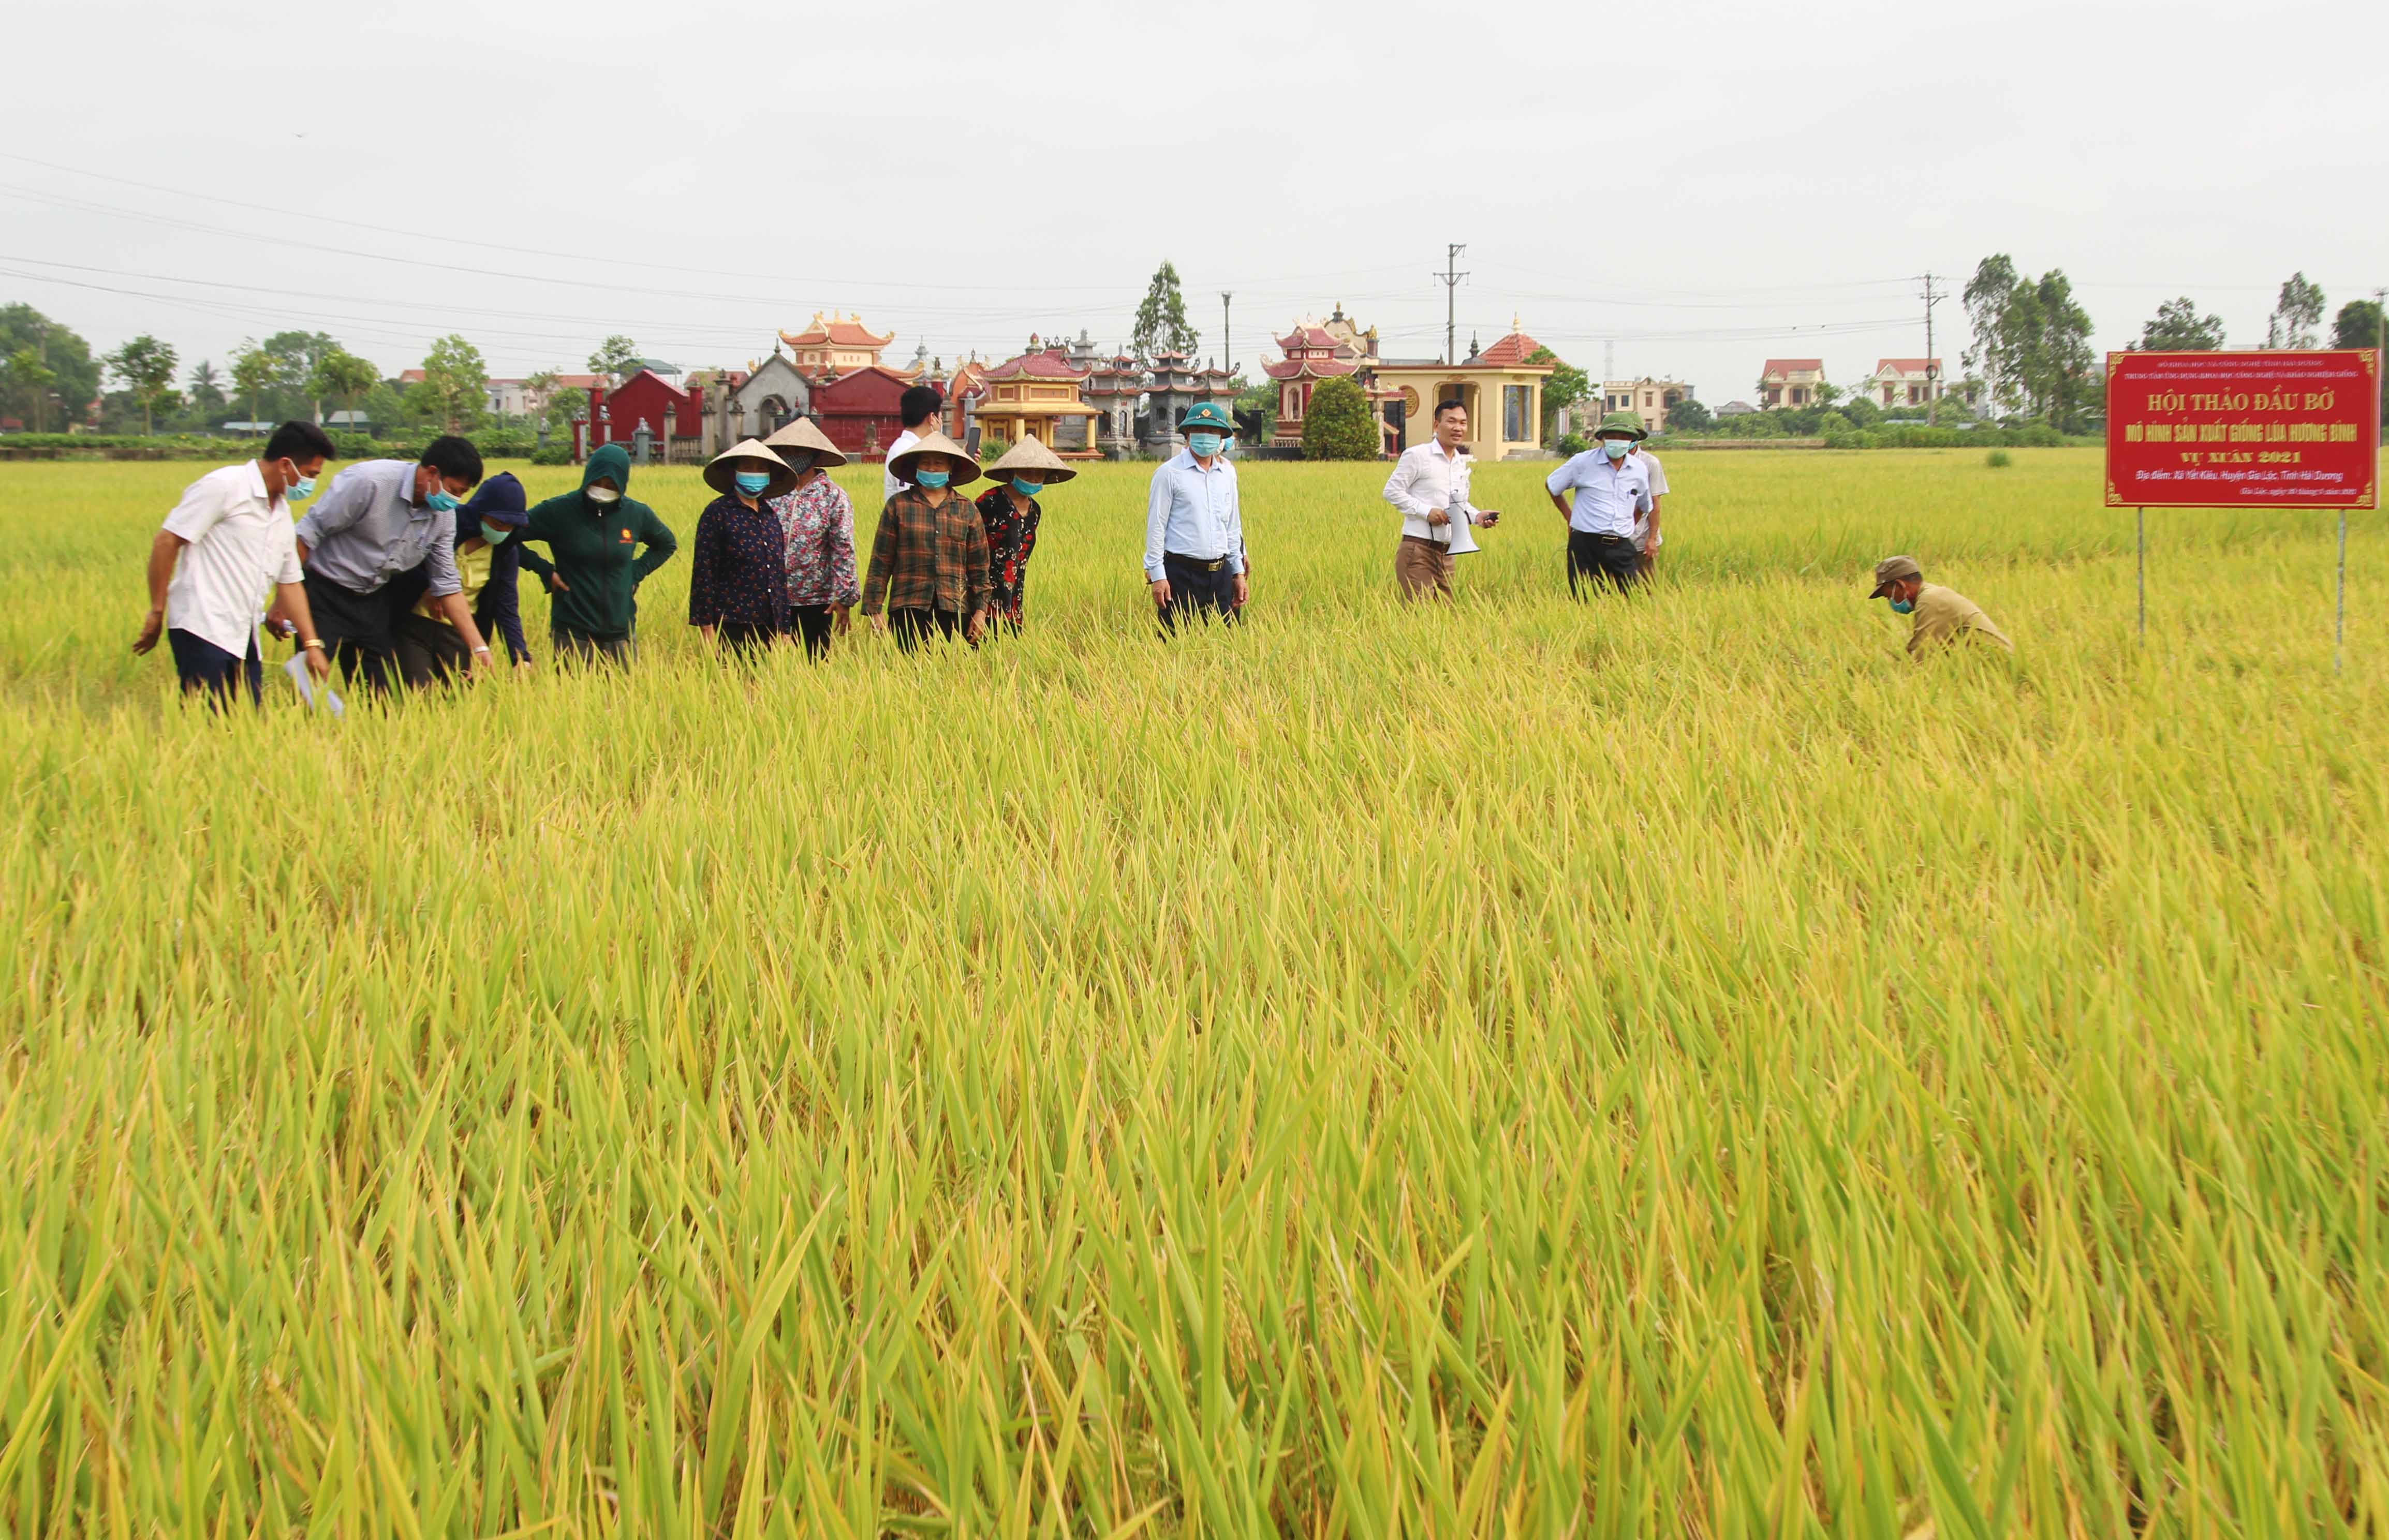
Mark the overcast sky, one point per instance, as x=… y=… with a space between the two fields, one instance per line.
x=1702 y=187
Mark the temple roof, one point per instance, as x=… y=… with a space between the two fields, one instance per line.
x=1510 y=352
x=1048 y=364
x=1324 y=368
x=1305 y=335
x=836 y=333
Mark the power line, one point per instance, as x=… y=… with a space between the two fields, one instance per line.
x=1450 y=278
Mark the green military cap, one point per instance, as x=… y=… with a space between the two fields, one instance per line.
x=1621 y=422
x=1893 y=570
x=1210 y=415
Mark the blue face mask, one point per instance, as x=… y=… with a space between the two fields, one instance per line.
x=440 y=501
x=1027 y=489
x=1616 y=447
x=932 y=480
x=1902 y=606
x=299 y=489
x=1204 y=444
x=753 y=482
x=495 y=533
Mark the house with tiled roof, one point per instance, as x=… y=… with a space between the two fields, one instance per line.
x=1035 y=396
x=1312 y=353
x=1503 y=391
x=1791 y=381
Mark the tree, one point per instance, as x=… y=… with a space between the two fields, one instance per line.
x=204 y=391
x=1989 y=294
x=1567 y=386
x=1337 y=424
x=254 y=372
x=296 y=355
x=61 y=359
x=2177 y=328
x=618 y=357
x=2066 y=375
x=1161 y=324
x=147 y=367
x=2295 y=315
x=2357 y=325
x=455 y=383
x=343 y=377
x=1828 y=392
x=563 y=405
x=536 y=389
x=1690 y=416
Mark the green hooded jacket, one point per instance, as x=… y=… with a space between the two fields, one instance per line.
x=593 y=545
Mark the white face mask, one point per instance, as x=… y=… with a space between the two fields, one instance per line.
x=603 y=496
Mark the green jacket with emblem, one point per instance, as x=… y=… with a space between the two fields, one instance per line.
x=602 y=552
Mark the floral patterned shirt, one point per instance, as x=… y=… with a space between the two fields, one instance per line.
x=818 y=523
x=736 y=576
x=1010 y=538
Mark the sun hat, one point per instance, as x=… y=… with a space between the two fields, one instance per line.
x=1893 y=570
x=1030 y=455
x=933 y=442
x=1622 y=422
x=1210 y=415
x=723 y=466
x=804 y=434
x=499 y=500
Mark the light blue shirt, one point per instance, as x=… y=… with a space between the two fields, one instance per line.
x=367 y=528
x=1194 y=513
x=1608 y=493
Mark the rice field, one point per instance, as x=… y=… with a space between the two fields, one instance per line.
x=1520 y=1068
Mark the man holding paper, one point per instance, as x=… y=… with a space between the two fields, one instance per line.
x=1430 y=486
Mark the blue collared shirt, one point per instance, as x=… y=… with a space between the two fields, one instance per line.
x=1608 y=493
x=1194 y=513
x=367 y=530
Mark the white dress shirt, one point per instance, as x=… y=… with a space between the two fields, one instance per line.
x=1194 y=513
x=242 y=541
x=1426 y=480
x=1658 y=477
x=889 y=485
x=1608 y=494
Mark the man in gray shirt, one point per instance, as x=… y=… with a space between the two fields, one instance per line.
x=380 y=518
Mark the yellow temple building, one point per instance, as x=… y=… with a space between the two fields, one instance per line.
x=1503 y=391
x=1036 y=395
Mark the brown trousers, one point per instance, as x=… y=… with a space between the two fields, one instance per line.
x=1422 y=569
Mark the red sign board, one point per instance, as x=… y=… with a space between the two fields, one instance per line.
x=2241 y=430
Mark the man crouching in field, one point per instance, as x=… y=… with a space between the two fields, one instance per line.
x=1942 y=615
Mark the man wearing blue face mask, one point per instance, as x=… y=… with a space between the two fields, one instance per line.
x=1943 y=615
x=380 y=519
x=1611 y=493
x=1194 y=525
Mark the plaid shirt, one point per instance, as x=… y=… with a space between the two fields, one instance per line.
x=927 y=557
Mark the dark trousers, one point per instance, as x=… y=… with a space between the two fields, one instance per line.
x=1198 y=589
x=356 y=628
x=579 y=647
x=912 y=626
x=201 y=665
x=744 y=637
x=812 y=622
x=428 y=652
x=1599 y=559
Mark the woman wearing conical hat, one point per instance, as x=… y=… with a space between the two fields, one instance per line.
x=928 y=560
x=1009 y=509
x=739 y=575
x=818 y=525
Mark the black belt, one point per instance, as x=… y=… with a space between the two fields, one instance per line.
x=1612 y=540
x=1198 y=562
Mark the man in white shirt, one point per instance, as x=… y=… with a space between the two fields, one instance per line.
x=1647 y=538
x=229 y=537
x=919 y=406
x=1612 y=495
x=1430 y=486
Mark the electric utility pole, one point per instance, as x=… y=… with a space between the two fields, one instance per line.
x=1931 y=364
x=1227 y=350
x=1451 y=276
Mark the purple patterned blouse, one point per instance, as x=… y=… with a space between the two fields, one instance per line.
x=818 y=522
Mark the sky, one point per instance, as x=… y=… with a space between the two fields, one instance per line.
x=1690 y=190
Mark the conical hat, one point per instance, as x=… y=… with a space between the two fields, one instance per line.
x=1030 y=455
x=934 y=442
x=723 y=466
x=803 y=434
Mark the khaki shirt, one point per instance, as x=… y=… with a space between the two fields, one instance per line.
x=1942 y=613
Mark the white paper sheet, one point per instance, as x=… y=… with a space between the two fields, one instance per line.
x=297 y=669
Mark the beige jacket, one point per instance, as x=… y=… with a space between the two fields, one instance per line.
x=1943 y=614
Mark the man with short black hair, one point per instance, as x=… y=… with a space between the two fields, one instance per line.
x=229 y=537
x=919 y=406
x=1430 y=486
x=382 y=518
